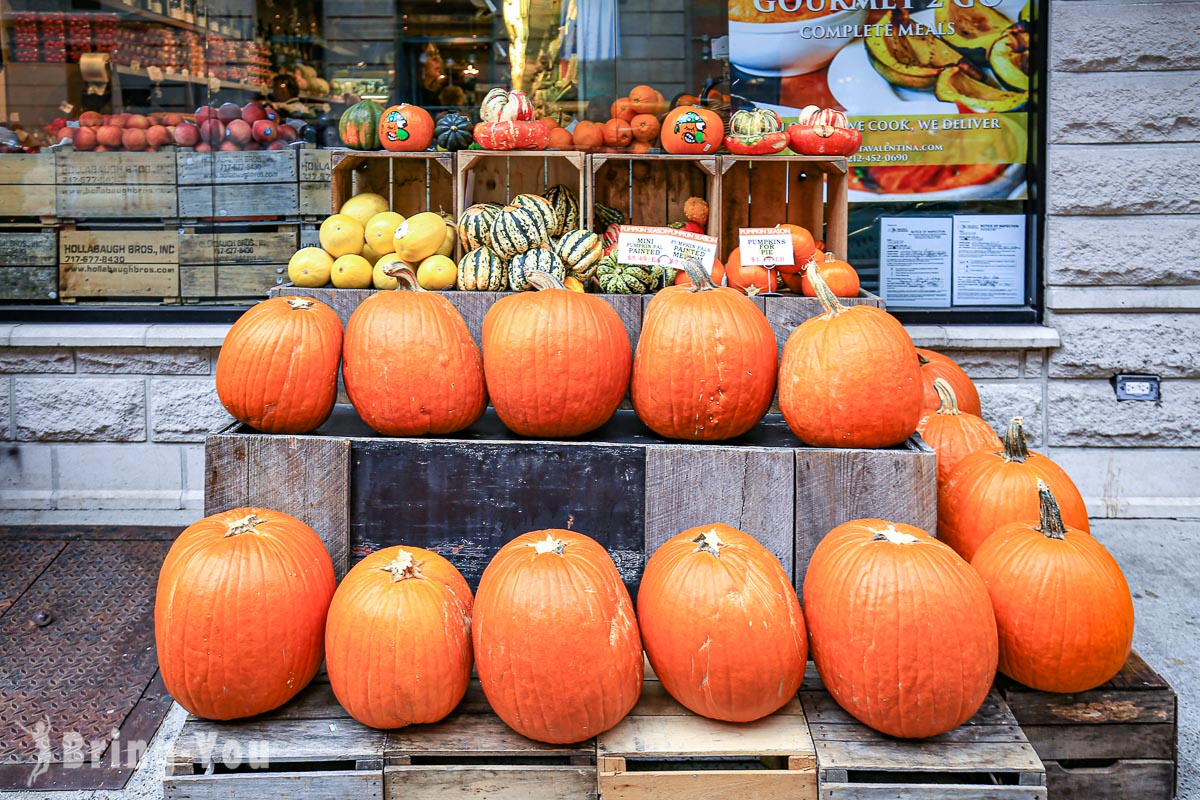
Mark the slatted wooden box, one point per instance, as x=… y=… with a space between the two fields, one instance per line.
x=238 y=184
x=316 y=171
x=411 y=182
x=115 y=186
x=488 y=176
x=27 y=181
x=234 y=261
x=28 y=263
x=651 y=189
x=1115 y=741
x=118 y=262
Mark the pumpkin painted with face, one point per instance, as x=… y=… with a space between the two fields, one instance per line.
x=405 y=128
x=692 y=130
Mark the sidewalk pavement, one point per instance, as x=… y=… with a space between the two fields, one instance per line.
x=1161 y=559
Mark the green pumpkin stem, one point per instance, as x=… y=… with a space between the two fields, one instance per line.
x=244 y=525
x=539 y=279
x=948 y=401
x=709 y=542
x=828 y=299
x=404 y=273
x=1051 y=526
x=402 y=567
x=1015 y=448
x=701 y=280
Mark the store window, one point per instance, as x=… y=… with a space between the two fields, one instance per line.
x=112 y=111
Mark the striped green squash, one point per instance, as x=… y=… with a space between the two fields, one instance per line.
x=475 y=225
x=580 y=252
x=539 y=258
x=516 y=230
x=540 y=206
x=617 y=278
x=566 y=209
x=481 y=270
x=603 y=216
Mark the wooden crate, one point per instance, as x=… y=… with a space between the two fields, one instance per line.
x=28 y=263
x=27 y=181
x=230 y=185
x=118 y=262
x=762 y=192
x=986 y=758
x=662 y=751
x=1115 y=741
x=466 y=495
x=115 y=186
x=316 y=170
x=411 y=182
x=234 y=262
x=651 y=189
x=488 y=176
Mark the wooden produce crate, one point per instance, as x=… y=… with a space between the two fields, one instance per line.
x=662 y=751
x=118 y=262
x=651 y=189
x=115 y=186
x=237 y=185
x=490 y=176
x=765 y=191
x=234 y=261
x=411 y=182
x=1115 y=741
x=28 y=184
x=28 y=263
x=466 y=495
x=316 y=170
x=985 y=758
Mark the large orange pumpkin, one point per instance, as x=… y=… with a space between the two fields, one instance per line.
x=850 y=377
x=721 y=624
x=1062 y=604
x=277 y=370
x=936 y=365
x=410 y=364
x=989 y=489
x=692 y=130
x=557 y=362
x=901 y=628
x=705 y=363
x=556 y=643
x=953 y=434
x=405 y=128
x=398 y=639
x=239 y=620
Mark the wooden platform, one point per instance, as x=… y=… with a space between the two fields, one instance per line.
x=986 y=758
x=1115 y=741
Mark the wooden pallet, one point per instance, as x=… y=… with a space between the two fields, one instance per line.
x=110 y=262
x=1115 y=741
x=115 y=186
x=662 y=751
x=316 y=170
x=234 y=261
x=239 y=184
x=986 y=758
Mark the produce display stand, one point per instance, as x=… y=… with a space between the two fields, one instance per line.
x=237 y=184
x=115 y=186
x=411 y=182
x=650 y=189
x=493 y=176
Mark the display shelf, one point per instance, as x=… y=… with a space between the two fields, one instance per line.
x=178 y=77
x=151 y=16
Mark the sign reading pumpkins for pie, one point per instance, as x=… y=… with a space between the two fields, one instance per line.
x=766 y=247
x=666 y=247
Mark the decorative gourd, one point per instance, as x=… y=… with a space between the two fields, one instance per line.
x=501 y=105
x=696 y=210
x=749 y=279
x=277 y=370
x=823 y=132
x=580 y=252
x=358 y=127
x=705 y=363
x=953 y=434
x=481 y=270
x=453 y=132
x=398 y=638
x=239 y=618
x=1062 y=605
x=516 y=230
x=606 y=215
x=405 y=128
x=617 y=278
x=556 y=643
x=409 y=363
x=566 y=209
x=693 y=131
x=419 y=236
x=901 y=629
x=475 y=225
x=850 y=377
x=539 y=259
x=611 y=235
x=715 y=591
x=989 y=489
x=512 y=135
x=540 y=206
x=935 y=365
x=840 y=277
x=557 y=362
x=755 y=131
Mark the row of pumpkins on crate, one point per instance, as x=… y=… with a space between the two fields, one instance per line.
x=504 y=244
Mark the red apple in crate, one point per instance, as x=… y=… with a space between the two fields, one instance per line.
x=203 y=147
x=229 y=146
x=204 y=114
x=251 y=146
x=239 y=131
x=265 y=131
x=108 y=136
x=278 y=144
x=212 y=131
x=228 y=112
x=171 y=119
x=187 y=135
x=133 y=139
x=288 y=134
x=91 y=119
x=84 y=138
x=271 y=113
x=253 y=112
x=158 y=136
x=102 y=149
x=120 y=120
x=137 y=121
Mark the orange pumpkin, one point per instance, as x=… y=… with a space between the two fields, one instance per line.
x=952 y=434
x=717 y=275
x=936 y=365
x=588 y=136
x=646 y=100
x=716 y=590
x=840 y=277
x=560 y=139
x=638 y=148
x=645 y=127
x=405 y=128
x=556 y=641
x=1062 y=604
x=239 y=618
x=749 y=279
x=803 y=248
x=692 y=130
x=617 y=133
x=622 y=109
x=685 y=100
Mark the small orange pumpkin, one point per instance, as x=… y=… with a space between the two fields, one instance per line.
x=622 y=109
x=953 y=434
x=645 y=127
x=405 y=129
x=617 y=133
x=839 y=276
x=749 y=279
x=692 y=131
x=936 y=365
x=803 y=248
x=646 y=100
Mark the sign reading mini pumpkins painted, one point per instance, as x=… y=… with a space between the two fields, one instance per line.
x=666 y=247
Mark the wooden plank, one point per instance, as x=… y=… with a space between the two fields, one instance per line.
x=928 y=791
x=799 y=784
x=767 y=195
x=29 y=248
x=610 y=187
x=251 y=247
x=474 y=307
x=735 y=187
x=315 y=198
x=318 y=785
x=897 y=485
x=629 y=309
x=906 y=756
x=692 y=736
x=315 y=702
x=30 y=200
x=26 y=169
x=837 y=230
x=822 y=709
x=226 y=473
x=656 y=702
x=232 y=200
x=749 y=488
x=119 y=169
x=789 y=312
x=118 y=263
x=28 y=283
x=1143 y=779
x=498 y=782
x=240 y=167
x=230 y=281
x=1096 y=707
x=1086 y=742
x=343 y=301
x=466 y=738
x=279 y=741
x=964 y=734
x=105 y=201
x=315 y=165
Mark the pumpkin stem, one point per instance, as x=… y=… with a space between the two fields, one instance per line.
x=1015 y=448
x=1052 y=526
x=300 y=303
x=890 y=534
x=922 y=360
x=828 y=299
x=549 y=545
x=244 y=525
x=539 y=279
x=701 y=280
x=945 y=393
x=403 y=273
x=709 y=542
x=403 y=567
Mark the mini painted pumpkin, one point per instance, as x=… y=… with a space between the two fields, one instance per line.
x=694 y=131
x=405 y=128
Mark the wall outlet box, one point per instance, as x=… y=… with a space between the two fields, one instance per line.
x=1137 y=387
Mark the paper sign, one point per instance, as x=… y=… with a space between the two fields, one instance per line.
x=214 y=83
x=154 y=73
x=989 y=259
x=766 y=247
x=667 y=247
x=915 y=260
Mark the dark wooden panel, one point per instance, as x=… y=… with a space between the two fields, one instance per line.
x=1087 y=742
x=1120 y=780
